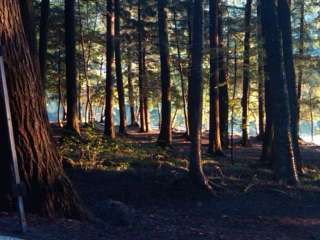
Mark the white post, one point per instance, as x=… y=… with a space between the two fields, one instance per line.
x=5 y=96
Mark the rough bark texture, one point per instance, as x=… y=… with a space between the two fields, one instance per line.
x=48 y=190
x=165 y=136
x=282 y=151
x=72 y=117
x=43 y=40
x=109 y=131
x=246 y=73
x=195 y=97
x=215 y=146
x=120 y=88
x=285 y=26
x=223 y=85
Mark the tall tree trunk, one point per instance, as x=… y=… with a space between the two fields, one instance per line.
x=282 y=150
x=182 y=81
x=195 y=98
x=145 y=91
x=285 y=26
x=48 y=190
x=223 y=85
x=246 y=73
x=215 y=146
x=301 y=54
x=234 y=92
x=260 y=75
x=43 y=40
x=27 y=15
x=130 y=90
x=141 y=67
x=165 y=136
x=72 y=118
x=108 y=125
x=120 y=88
x=59 y=87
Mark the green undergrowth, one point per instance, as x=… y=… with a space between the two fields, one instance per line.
x=93 y=151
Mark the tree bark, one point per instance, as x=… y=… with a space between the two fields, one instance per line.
x=72 y=118
x=120 y=88
x=195 y=98
x=43 y=40
x=141 y=67
x=223 y=85
x=48 y=190
x=109 y=131
x=130 y=91
x=165 y=136
x=246 y=73
x=285 y=26
x=282 y=151
x=215 y=146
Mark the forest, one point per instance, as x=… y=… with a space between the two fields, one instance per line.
x=160 y=119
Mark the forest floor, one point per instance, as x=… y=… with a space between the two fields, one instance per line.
x=136 y=190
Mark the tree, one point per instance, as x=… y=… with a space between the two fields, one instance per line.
x=120 y=88
x=141 y=68
x=48 y=190
x=165 y=136
x=282 y=151
x=246 y=73
x=43 y=40
x=195 y=98
x=223 y=84
x=109 y=127
x=72 y=118
x=214 y=131
x=290 y=76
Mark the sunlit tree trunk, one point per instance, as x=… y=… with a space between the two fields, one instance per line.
x=48 y=190
x=72 y=118
x=223 y=85
x=109 y=131
x=195 y=98
x=215 y=146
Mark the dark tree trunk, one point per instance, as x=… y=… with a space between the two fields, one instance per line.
x=285 y=26
x=145 y=91
x=260 y=75
x=29 y=27
x=282 y=151
x=72 y=118
x=43 y=40
x=215 y=146
x=223 y=86
x=195 y=98
x=141 y=67
x=48 y=190
x=120 y=88
x=109 y=131
x=246 y=73
x=165 y=136
x=130 y=91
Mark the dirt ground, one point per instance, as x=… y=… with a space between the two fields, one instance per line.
x=158 y=203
